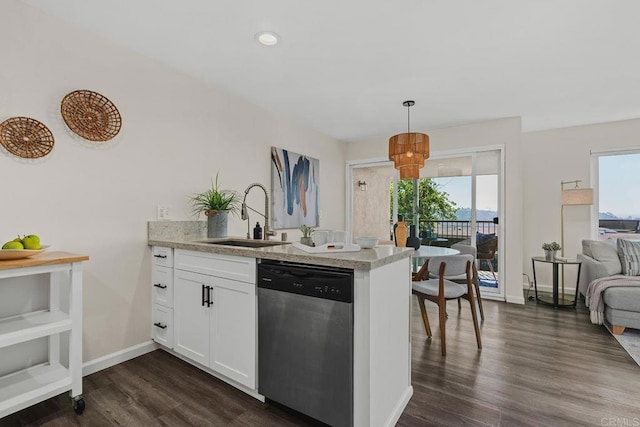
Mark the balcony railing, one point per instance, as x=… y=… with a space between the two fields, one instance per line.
x=448 y=232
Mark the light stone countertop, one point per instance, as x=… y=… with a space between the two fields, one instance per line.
x=168 y=234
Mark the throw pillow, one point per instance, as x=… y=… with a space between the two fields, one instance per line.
x=629 y=253
x=605 y=252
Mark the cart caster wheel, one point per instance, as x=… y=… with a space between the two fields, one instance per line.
x=78 y=405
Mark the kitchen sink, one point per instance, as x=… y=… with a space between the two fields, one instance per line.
x=245 y=243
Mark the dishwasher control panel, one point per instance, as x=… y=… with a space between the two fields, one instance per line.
x=314 y=281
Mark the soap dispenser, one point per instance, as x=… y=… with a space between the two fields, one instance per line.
x=257 y=232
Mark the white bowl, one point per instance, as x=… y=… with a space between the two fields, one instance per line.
x=367 y=242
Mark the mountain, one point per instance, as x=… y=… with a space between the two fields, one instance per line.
x=606 y=215
x=464 y=214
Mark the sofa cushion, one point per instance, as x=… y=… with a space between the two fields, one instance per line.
x=605 y=252
x=622 y=298
x=629 y=253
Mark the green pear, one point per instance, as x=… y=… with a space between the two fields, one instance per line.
x=31 y=242
x=12 y=245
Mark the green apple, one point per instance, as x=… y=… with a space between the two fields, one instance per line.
x=31 y=242
x=12 y=245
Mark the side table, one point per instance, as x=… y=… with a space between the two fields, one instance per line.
x=557 y=300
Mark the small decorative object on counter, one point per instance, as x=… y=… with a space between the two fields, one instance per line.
x=401 y=232
x=550 y=250
x=306 y=235
x=257 y=232
x=413 y=241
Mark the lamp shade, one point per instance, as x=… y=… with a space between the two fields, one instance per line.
x=577 y=196
x=408 y=152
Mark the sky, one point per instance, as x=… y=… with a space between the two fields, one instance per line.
x=459 y=189
x=618 y=185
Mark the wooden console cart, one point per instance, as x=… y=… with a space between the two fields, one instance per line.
x=34 y=384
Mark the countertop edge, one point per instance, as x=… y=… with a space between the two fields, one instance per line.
x=287 y=252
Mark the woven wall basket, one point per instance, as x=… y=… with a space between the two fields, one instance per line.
x=91 y=115
x=26 y=137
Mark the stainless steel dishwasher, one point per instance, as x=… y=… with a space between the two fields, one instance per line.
x=305 y=339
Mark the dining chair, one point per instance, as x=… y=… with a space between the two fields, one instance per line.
x=469 y=250
x=487 y=252
x=439 y=290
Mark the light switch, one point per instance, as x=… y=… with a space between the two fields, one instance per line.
x=164 y=212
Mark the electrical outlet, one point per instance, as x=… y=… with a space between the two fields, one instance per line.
x=164 y=212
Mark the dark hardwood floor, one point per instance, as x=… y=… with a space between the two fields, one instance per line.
x=538 y=366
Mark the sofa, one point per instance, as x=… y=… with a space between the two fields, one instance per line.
x=621 y=304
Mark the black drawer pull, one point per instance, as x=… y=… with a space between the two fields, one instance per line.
x=160 y=256
x=160 y=325
x=158 y=285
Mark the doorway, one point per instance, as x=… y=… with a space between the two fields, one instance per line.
x=471 y=185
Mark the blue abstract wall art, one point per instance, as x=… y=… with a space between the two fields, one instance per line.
x=294 y=188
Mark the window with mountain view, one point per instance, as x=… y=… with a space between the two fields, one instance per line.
x=618 y=202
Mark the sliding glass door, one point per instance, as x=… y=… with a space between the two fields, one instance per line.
x=458 y=201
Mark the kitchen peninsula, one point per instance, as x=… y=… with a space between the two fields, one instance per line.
x=226 y=276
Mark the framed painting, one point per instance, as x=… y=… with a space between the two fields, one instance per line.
x=294 y=189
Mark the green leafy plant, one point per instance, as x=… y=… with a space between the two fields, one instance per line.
x=215 y=199
x=306 y=230
x=553 y=246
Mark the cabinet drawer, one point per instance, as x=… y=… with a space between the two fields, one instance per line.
x=162 y=326
x=162 y=256
x=162 y=285
x=227 y=266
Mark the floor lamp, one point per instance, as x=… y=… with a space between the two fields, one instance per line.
x=572 y=197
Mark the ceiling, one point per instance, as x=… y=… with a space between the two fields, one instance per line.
x=344 y=67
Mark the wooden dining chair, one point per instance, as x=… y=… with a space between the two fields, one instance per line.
x=469 y=250
x=439 y=290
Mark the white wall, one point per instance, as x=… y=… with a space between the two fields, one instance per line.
x=504 y=132
x=96 y=198
x=559 y=155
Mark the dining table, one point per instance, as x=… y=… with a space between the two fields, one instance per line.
x=423 y=253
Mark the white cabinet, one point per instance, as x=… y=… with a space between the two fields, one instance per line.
x=63 y=369
x=162 y=296
x=214 y=313
x=192 y=316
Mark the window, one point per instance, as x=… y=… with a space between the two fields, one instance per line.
x=618 y=202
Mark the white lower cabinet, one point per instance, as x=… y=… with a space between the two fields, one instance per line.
x=162 y=328
x=215 y=316
x=192 y=316
x=162 y=296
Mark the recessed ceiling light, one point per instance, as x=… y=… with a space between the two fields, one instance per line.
x=267 y=38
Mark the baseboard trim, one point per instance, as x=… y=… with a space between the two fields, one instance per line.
x=515 y=299
x=399 y=408
x=119 y=356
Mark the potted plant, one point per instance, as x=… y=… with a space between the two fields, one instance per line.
x=216 y=204
x=306 y=235
x=550 y=250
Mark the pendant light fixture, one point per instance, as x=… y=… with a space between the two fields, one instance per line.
x=409 y=150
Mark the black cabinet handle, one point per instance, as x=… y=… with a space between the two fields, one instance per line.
x=160 y=325
x=160 y=256
x=161 y=286
x=203 y=295
x=209 y=302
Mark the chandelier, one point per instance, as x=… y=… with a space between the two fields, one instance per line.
x=409 y=150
